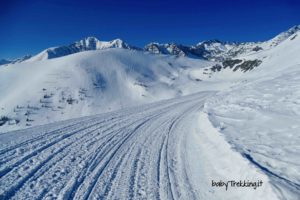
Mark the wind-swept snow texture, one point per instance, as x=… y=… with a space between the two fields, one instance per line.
x=165 y=150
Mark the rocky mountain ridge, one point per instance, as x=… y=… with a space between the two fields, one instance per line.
x=212 y=50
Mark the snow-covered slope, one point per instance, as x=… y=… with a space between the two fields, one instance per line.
x=261 y=117
x=91 y=82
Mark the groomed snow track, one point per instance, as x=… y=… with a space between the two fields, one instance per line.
x=136 y=153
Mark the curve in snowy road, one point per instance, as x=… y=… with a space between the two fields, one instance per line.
x=155 y=151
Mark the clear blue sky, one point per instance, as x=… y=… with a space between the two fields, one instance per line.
x=29 y=26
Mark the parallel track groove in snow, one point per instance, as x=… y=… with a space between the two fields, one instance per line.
x=136 y=153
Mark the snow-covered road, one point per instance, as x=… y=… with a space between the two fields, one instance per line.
x=164 y=150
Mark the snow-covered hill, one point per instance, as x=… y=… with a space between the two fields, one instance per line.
x=91 y=82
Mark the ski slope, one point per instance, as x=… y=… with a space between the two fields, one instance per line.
x=163 y=150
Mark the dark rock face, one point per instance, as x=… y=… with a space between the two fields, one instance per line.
x=248 y=65
x=236 y=64
x=257 y=48
x=61 y=51
x=230 y=63
x=169 y=49
x=293 y=37
x=216 y=67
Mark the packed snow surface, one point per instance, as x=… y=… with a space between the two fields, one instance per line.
x=166 y=150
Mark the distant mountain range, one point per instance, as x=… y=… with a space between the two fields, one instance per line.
x=212 y=50
x=18 y=60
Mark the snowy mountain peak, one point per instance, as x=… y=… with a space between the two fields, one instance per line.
x=293 y=30
x=168 y=48
x=285 y=35
x=86 y=44
x=118 y=43
x=90 y=39
x=209 y=42
x=92 y=43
